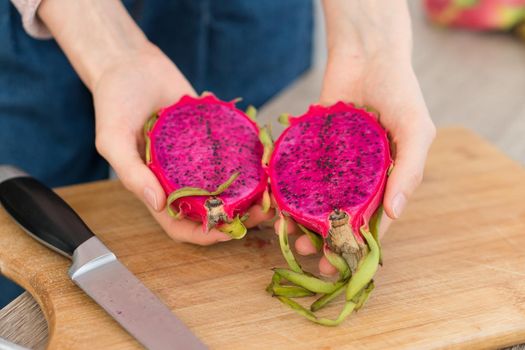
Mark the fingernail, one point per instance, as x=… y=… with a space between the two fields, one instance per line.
x=151 y=198
x=398 y=204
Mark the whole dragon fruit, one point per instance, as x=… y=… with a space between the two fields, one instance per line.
x=210 y=158
x=328 y=173
x=477 y=14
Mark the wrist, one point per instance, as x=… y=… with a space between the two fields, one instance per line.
x=376 y=48
x=353 y=60
x=143 y=55
x=362 y=30
x=94 y=34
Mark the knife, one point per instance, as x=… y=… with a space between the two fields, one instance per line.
x=96 y=270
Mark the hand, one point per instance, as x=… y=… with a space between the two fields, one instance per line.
x=369 y=64
x=389 y=85
x=125 y=95
x=130 y=79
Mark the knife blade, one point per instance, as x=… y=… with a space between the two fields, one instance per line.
x=95 y=269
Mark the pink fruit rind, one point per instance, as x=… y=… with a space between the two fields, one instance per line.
x=193 y=207
x=360 y=215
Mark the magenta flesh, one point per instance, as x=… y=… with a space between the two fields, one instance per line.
x=201 y=143
x=329 y=168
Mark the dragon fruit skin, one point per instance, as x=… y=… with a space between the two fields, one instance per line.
x=328 y=173
x=476 y=14
x=328 y=162
x=199 y=143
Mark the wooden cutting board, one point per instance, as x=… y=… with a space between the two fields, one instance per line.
x=453 y=275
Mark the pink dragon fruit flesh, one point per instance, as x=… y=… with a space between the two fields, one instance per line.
x=328 y=173
x=209 y=158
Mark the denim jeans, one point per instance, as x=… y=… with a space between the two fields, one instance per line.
x=234 y=48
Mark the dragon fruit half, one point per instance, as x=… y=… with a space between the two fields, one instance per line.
x=328 y=173
x=210 y=158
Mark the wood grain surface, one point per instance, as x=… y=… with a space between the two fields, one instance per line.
x=453 y=274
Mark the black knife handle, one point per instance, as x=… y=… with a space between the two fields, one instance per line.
x=43 y=214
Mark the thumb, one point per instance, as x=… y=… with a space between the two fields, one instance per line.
x=412 y=146
x=119 y=147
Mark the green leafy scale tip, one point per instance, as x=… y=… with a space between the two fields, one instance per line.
x=195 y=191
x=267 y=142
x=251 y=112
x=235 y=229
x=366 y=271
x=284 y=119
x=285 y=247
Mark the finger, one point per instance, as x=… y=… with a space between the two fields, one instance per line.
x=384 y=225
x=256 y=216
x=188 y=231
x=119 y=147
x=304 y=246
x=291 y=227
x=273 y=203
x=325 y=268
x=412 y=148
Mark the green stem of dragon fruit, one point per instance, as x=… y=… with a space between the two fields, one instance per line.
x=276 y=280
x=148 y=150
x=195 y=191
x=265 y=135
x=348 y=308
x=338 y=262
x=325 y=299
x=366 y=270
x=290 y=291
x=284 y=119
x=276 y=289
x=251 y=112
x=375 y=222
x=344 y=273
x=147 y=128
x=266 y=202
x=235 y=228
x=311 y=283
x=285 y=246
x=267 y=142
x=358 y=288
x=303 y=285
x=149 y=123
x=363 y=297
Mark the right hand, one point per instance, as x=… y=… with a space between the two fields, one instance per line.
x=369 y=63
x=125 y=95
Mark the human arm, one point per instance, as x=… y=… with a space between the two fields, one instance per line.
x=369 y=63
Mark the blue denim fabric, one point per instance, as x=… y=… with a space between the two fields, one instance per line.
x=235 y=48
